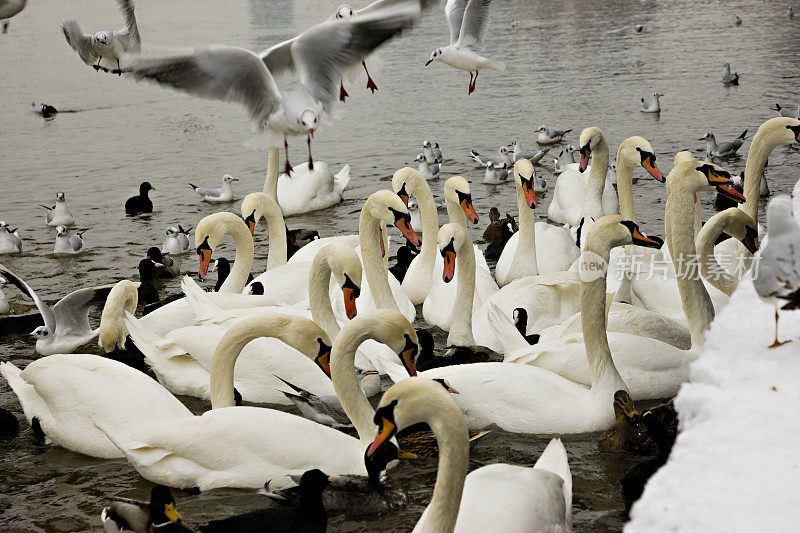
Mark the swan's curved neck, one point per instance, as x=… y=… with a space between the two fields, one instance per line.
x=244 y=258
x=345 y=383
x=524 y=261
x=277 y=238
x=452 y=439
x=696 y=302
x=593 y=204
x=461 y=321
x=455 y=212
x=624 y=187
x=319 y=296
x=430 y=223
x=271 y=181
x=593 y=322
x=757 y=156
x=709 y=267
x=374 y=267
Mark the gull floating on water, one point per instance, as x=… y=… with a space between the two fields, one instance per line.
x=10 y=243
x=108 y=45
x=533 y=157
x=468 y=21
x=548 y=136
x=495 y=175
x=223 y=193
x=737 y=21
x=177 y=242
x=786 y=111
x=59 y=214
x=654 y=105
x=565 y=157
x=66 y=324
x=503 y=157
x=428 y=171
x=67 y=244
x=9 y=8
x=432 y=152
x=319 y=56
x=725 y=149
x=790 y=12
x=729 y=78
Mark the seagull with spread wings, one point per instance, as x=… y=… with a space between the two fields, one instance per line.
x=108 y=45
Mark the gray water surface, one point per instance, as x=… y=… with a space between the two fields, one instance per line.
x=570 y=64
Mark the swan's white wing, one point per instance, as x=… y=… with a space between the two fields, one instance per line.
x=47 y=313
x=474 y=25
x=454 y=12
x=226 y=73
x=79 y=41
x=129 y=35
x=72 y=311
x=322 y=53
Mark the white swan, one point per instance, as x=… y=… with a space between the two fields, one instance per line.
x=650 y=368
x=736 y=223
x=306 y=190
x=242 y=447
x=419 y=277
x=66 y=393
x=496 y=497
x=577 y=195
x=528 y=399
x=556 y=250
x=437 y=309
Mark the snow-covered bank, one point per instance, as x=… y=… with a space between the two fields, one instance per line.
x=736 y=463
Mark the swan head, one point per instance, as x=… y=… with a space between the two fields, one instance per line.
x=696 y=176
x=308 y=120
x=227 y=178
x=405 y=182
x=682 y=156
x=525 y=175
x=638 y=151
x=344 y=11
x=413 y=401
x=60 y=197
x=739 y=225
x=257 y=205
x=210 y=231
x=386 y=206
x=611 y=231
x=452 y=239
x=591 y=138
x=779 y=131
x=456 y=189
x=436 y=54
x=346 y=269
x=385 y=326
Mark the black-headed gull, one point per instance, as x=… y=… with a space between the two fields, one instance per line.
x=9 y=8
x=67 y=244
x=791 y=112
x=108 y=45
x=59 y=214
x=654 y=105
x=725 y=149
x=66 y=324
x=428 y=171
x=728 y=77
x=533 y=157
x=548 y=136
x=10 y=243
x=432 y=154
x=223 y=193
x=177 y=242
x=140 y=203
x=503 y=157
x=319 y=56
x=469 y=22
x=495 y=175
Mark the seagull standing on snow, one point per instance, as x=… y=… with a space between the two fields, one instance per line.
x=468 y=21
x=777 y=272
x=66 y=324
x=59 y=214
x=653 y=106
x=108 y=45
x=319 y=56
x=725 y=149
x=223 y=193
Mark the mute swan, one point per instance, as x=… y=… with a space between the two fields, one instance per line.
x=528 y=399
x=311 y=190
x=419 y=277
x=577 y=195
x=242 y=447
x=738 y=225
x=437 y=309
x=650 y=368
x=65 y=393
x=556 y=251
x=499 y=497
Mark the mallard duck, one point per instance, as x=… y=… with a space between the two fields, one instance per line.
x=169 y=268
x=508 y=228
x=148 y=292
x=493 y=231
x=297 y=238
x=306 y=514
x=628 y=433
x=131 y=516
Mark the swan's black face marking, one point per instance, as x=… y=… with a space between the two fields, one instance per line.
x=350 y=291
x=750 y=239
x=402 y=221
x=251 y=222
x=528 y=191
x=649 y=164
x=384 y=419
x=403 y=194
x=465 y=201
x=449 y=256
x=714 y=175
x=796 y=131
x=640 y=238
x=204 y=251
x=586 y=151
x=323 y=358
x=408 y=355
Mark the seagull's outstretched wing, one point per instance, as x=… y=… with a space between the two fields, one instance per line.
x=129 y=35
x=72 y=311
x=474 y=25
x=324 y=52
x=226 y=73
x=79 y=41
x=278 y=58
x=46 y=312
x=383 y=4
x=454 y=13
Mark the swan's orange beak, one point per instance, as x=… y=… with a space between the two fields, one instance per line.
x=251 y=222
x=465 y=200
x=386 y=430
x=323 y=360
x=715 y=176
x=449 y=256
x=649 y=164
x=728 y=191
x=408 y=355
x=402 y=221
x=528 y=192
x=204 y=251
x=643 y=240
x=585 y=153
x=750 y=240
x=350 y=294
